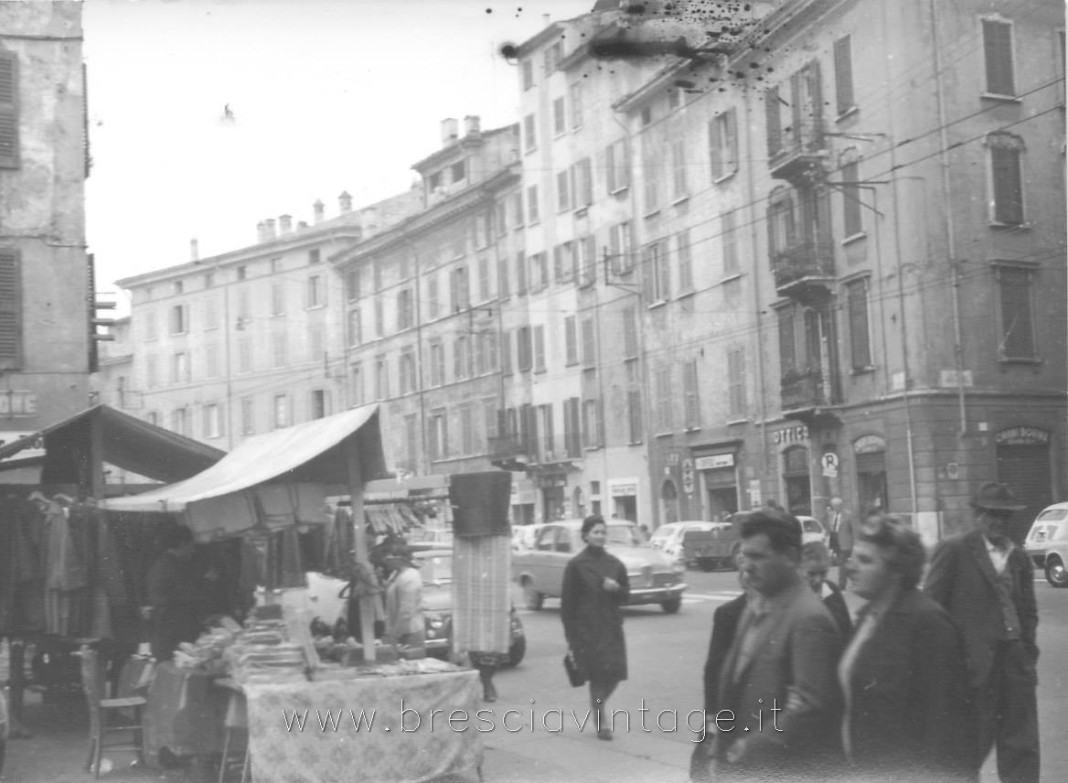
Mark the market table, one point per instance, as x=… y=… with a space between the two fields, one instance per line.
x=411 y=747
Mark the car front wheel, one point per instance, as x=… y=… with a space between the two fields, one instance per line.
x=1056 y=574
x=531 y=597
x=671 y=606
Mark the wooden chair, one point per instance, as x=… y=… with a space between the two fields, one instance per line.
x=101 y=712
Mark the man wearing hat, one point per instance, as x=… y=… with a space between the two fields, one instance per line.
x=986 y=583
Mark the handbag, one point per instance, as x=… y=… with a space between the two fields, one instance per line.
x=574 y=673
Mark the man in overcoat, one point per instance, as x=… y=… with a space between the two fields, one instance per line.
x=844 y=529
x=778 y=680
x=986 y=583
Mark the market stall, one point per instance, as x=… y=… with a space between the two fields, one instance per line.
x=271 y=486
x=67 y=577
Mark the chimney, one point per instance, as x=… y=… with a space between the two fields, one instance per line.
x=194 y=250
x=369 y=219
x=318 y=211
x=268 y=229
x=285 y=224
x=303 y=224
x=472 y=125
x=449 y=131
x=261 y=232
x=546 y=19
x=345 y=201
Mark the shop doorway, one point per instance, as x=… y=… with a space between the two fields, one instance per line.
x=1025 y=469
x=626 y=507
x=553 y=504
x=721 y=492
x=798 y=484
x=669 y=502
x=871 y=482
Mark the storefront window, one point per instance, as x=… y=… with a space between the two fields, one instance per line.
x=795 y=475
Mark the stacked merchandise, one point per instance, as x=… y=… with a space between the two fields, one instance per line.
x=264 y=652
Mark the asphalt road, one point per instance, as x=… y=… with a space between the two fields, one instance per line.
x=666 y=654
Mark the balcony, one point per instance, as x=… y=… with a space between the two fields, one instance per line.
x=799 y=158
x=509 y=452
x=559 y=448
x=802 y=390
x=804 y=271
x=806 y=398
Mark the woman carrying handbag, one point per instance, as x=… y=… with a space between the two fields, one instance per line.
x=595 y=587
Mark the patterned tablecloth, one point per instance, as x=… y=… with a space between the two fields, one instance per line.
x=406 y=741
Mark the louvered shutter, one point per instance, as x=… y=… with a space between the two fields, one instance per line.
x=773 y=121
x=10 y=309
x=997 y=47
x=1008 y=187
x=1017 y=319
x=9 y=114
x=714 y=146
x=843 y=74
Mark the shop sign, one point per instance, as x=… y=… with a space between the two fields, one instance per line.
x=715 y=461
x=18 y=403
x=35 y=450
x=755 y=496
x=798 y=434
x=687 y=476
x=623 y=488
x=869 y=444
x=1021 y=436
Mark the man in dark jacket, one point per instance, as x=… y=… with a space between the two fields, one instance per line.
x=986 y=583
x=177 y=593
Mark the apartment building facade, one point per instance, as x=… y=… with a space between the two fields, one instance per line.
x=424 y=310
x=46 y=288
x=869 y=273
x=248 y=341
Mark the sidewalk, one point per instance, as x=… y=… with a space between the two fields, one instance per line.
x=57 y=752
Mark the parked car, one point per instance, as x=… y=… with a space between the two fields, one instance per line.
x=435 y=568
x=523 y=536
x=674 y=539
x=654 y=578
x=1047 y=543
x=813 y=530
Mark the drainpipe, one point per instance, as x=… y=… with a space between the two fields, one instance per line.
x=758 y=359
x=947 y=213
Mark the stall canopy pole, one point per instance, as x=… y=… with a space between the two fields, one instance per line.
x=367 y=606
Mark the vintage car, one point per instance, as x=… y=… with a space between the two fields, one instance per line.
x=654 y=578
x=813 y=530
x=669 y=539
x=435 y=568
x=1047 y=543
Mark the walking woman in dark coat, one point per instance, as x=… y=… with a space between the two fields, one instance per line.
x=907 y=709
x=595 y=586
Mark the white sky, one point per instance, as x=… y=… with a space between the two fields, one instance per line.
x=327 y=95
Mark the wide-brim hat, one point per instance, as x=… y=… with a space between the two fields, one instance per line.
x=993 y=496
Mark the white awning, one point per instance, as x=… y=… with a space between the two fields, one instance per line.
x=309 y=453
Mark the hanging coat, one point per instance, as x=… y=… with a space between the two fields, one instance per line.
x=593 y=623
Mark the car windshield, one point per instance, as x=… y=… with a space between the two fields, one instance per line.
x=1053 y=515
x=623 y=534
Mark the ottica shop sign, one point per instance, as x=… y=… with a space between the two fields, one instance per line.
x=798 y=434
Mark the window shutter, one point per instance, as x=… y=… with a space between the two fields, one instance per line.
x=773 y=121
x=787 y=351
x=1017 y=327
x=858 y=325
x=610 y=167
x=715 y=146
x=1008 y=187
x=9 y=111
x=732 y=141
x=10 y=309
x=843 y=74
x=997 y=47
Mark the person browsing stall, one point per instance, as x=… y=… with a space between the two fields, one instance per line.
x=404 y=599
x=595 y=587
x=907 y=713
x=178 y=591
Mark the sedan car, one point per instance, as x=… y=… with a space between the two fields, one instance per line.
x=436 y=569
x=676 y=540
x=654 y=578
x=813 y=530
x=1047 y=543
